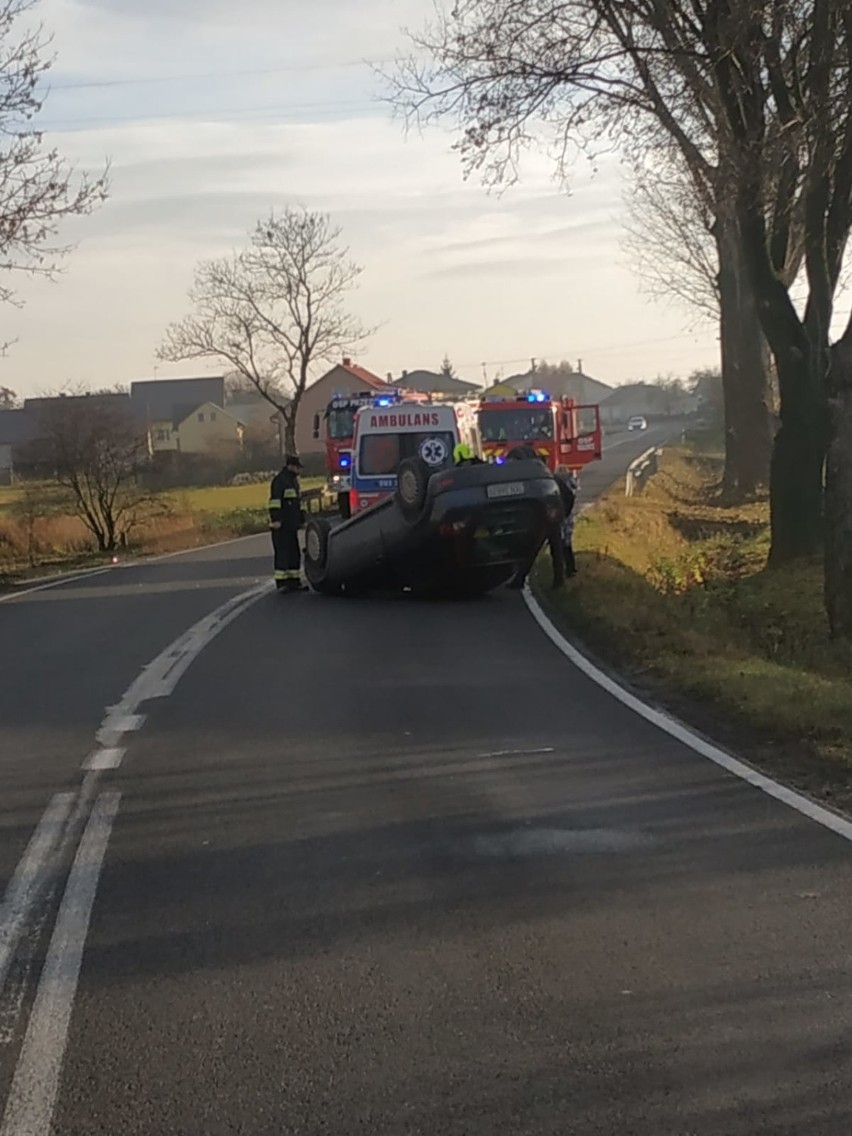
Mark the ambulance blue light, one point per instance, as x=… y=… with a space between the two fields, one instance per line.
x=537 y=396
x=345 y=462
x=383 y=402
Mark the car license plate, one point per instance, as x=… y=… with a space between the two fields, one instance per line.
x=507 y=489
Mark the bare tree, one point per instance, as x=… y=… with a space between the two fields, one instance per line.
x=590 y=74
x=681 y=250
x=38 y=190
x=8 y=399
x=273 y=310
x=97 y=447
x=757 y=96
x=669 y=237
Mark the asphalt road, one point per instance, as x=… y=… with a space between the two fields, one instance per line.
x=392 y=867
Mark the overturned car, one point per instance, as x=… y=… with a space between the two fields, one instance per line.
x=439 y=528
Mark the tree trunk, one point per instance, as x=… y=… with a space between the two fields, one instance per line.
x=838 y=491
x=290 y=432
x=746 y=381
x=796 y=483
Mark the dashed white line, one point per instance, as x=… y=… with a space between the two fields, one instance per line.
x=29 y=878
x=29 y=1108
x=104 y=758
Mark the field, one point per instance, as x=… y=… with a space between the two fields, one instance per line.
x=184 y=518
x=673 y=590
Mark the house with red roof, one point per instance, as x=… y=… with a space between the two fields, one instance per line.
x=343 y=379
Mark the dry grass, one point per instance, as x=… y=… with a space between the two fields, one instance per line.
x=182 y=519
x=673 y=589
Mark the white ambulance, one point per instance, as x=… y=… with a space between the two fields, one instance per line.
x=386 y=434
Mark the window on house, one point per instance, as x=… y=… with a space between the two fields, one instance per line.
x=162 y=435
x=200 y=417
x=212 y=415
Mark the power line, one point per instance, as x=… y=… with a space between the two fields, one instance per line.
x=285 y=113
x=140 y=80
x=564 y=354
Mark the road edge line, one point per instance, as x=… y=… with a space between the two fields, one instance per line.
x=35 y=1084
x=63 y=578
x=683 y=733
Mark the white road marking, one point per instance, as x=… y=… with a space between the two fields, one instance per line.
x=30 y=877
x=118 y=727
x=517 y=752
x=159 y=678
x=62 y=579
x=104 y=758
x=29 y=1108
x=680 y=731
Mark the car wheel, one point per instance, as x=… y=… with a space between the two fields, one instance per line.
x=411 y=487
x=316 y=556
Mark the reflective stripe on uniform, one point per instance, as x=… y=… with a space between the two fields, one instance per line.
x=280 y=575
x=274 y=503
x=294 y=574
x=290 y=494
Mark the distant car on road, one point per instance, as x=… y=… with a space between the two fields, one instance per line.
x=637 y=423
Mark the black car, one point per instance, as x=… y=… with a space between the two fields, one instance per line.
x=464 y=530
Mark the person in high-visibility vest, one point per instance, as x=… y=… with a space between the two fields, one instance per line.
x=285 y=520
x=463 y=455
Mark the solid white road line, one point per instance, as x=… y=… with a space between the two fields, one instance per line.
x=30 y=877
x=29 y=1108
x=685 y=735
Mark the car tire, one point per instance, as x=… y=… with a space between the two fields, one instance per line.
x=316 y=556
x=412 y=485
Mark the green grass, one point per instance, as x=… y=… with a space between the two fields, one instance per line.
x=225 y=498
x=673 y=589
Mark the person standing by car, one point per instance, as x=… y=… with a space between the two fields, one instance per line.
x=553 y=536
x=285 y=520
x=569 y=487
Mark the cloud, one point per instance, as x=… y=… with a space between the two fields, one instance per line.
x=244 y=108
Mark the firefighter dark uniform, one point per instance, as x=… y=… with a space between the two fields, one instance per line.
x=286 y=518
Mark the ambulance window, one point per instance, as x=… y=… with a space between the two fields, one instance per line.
x=379 y=455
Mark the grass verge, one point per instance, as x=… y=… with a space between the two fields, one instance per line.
x=673 y=591
x=182 y=520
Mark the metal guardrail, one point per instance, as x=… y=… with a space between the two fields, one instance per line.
x=639 y=472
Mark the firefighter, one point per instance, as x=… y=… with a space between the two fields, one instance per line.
x=285 y=520
x=553 y=534
x=569 y=487
x=463 y=455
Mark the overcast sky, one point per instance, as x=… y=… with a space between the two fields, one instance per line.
x=212 y=112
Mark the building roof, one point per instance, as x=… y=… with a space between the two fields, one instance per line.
x=629 y=393
x=433 y=382
x=202 y=407
x=562 y=384
x=363 y=374
x=17 y=427
x=161 y=400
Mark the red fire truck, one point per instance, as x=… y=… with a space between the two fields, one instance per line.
x=561 y=431
x=339 y=419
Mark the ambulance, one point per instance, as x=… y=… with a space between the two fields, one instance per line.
x=386 y=434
